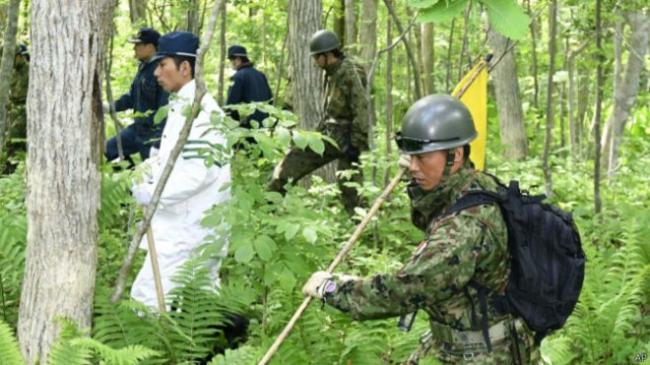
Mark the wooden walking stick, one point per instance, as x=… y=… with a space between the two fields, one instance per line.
x=153 y=255
x=341 y=255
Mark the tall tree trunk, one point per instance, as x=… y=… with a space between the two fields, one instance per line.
x=389 y=100
x=351 y=26
x=138 y=11
x=222 y=51
x=407 y=45
x=339 y=20
x=463 y=45
x=618 y=75
x=506 y=87
x=450 y=47
x=584 y=86
x=64 y=111
x=427 y=57
x=304 y=20
x=627 y=90
x=597 y=114
x=533 y=39
x=574 y=124
x=193 y=16
x=6 y=67
x=548 y=139
x=368 y=32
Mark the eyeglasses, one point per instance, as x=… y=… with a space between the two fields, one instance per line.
x=409 y=144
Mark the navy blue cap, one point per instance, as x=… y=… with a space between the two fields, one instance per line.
x=177 y=44
x=236 y=51
x=146 y=35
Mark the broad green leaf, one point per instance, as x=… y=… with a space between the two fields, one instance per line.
x=442 y=11
x=507 y=18
x=161 y=114
x=244 y=253
x=282 y=135
x=422 y=4
x=300 y=140
x=290 y=231
x=309 y=234
x=316 y=144
x=264 y=246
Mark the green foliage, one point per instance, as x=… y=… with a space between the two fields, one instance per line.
x=9 y=346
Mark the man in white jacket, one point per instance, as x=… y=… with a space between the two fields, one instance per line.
x=193 y=188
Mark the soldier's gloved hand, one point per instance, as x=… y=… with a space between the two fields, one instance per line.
x=352 y=153
x=404 y=161
x=316 y=284
x=142 y=193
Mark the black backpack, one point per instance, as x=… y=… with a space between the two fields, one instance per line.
x=547 y=260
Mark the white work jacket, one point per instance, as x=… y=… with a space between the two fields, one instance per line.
x=192 y=189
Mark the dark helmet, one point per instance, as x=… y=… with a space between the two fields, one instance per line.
x=323 y=41
x=236 y=51
x=435 y=122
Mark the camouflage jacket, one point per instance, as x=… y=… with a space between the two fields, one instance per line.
x=19 y=83
x=468 y=245
x=346 y=102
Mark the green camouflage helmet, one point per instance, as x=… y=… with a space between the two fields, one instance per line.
x=323 y=41
x=435 y=122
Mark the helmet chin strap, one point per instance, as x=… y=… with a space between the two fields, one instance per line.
x=451 y=156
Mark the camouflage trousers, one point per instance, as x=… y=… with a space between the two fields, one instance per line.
x=16 y=132
x=298 y=163
x=508 y=351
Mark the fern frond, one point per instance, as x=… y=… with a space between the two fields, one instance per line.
x=9 y=346
x=245 y=355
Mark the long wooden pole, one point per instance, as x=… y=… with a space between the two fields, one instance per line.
x=153 y=255
x=344 y=251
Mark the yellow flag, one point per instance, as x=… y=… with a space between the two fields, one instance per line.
x=473 y=93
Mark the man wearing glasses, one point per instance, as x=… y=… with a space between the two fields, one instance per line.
x=346 y=122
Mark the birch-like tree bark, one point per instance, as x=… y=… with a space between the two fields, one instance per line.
x=350 y=26
x=508 y=98
x=138 y=11
x=368 y=32
x=63 y=180
x=548 y=137
x=305 y=20
x=533 y=40
x=222 y=52
x=628 y=88
x=597 y=114
x=6 y=67
x=427 y=58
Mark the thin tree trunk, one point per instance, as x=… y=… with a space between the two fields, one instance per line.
x=193 y=16
x=618 y=75
x=407 y=45
x=463 y=46
x=6 y=67
x=563 y=94
x=627 y=89
x=508 y=98
x=548 y=139
x=222 y=51
x=584 y=92
x=450 y=47
x=533 y=39
x=427 y=57
x=389 y=101
x=574 y=125
x=64 y=115
x=339 y=20
x=368 y=32
x=597 y=115
x=350 y=26
x=138 y=11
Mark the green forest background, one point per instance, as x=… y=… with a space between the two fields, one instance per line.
x=275 y=247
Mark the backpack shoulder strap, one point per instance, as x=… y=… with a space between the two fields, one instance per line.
x=474 y=198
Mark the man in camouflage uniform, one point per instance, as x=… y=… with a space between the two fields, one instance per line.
x=346 y=121
x=459 y=250
x=16 y=112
